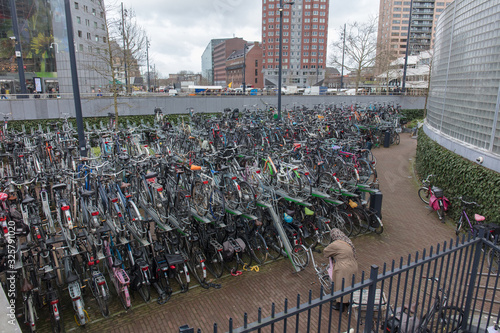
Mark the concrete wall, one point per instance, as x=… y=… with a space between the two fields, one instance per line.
x=32 y=108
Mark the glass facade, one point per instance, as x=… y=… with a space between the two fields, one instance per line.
x=464 y=93
x=37 y=42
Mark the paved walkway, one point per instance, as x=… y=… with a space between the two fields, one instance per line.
x=408 y=227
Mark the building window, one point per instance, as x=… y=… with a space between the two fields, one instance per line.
x=256 y=63
x=85 y=8
x=96 y=38
x=80 y=47
x=94 y=12
x=80 y=34
x=256 y=72
x=104 y=39
x=89 y=36
x=90 y=48
x=95 y=25
x=78 y=20
x=87 y=22
x=256 y=80
x=76 y=5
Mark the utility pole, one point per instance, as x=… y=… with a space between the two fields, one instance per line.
x=403 y=85
x=280 y=58
x=244 y=66
x=124 y=51
x=343 y=53
x=147 y=59
x=19 y=55
x=74 y=79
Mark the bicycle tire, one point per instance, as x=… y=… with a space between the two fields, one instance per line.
x=259 y=249
x=198 y=267
x=397 y=139
x=199 y=198
x=274 y=244
x=449 y=315
x=424 y=195
x=216 y=205
x=57 y=325
x=248 y=197
x=299 y=256
x=366 y=174
x=145 y=292
x=215 y=262
x=493 y=260
x=102 y=302
x=328 y=184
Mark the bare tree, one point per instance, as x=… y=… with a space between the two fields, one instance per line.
x=385 y=67
x=134 y=39
x=360 y=48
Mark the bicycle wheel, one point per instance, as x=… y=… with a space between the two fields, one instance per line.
x=259 y=249
x=57 y=324
x=458 y=227
x=397 y=139
x=326 y=283
x=216 y=205
x=215 y=262
x=449 y=319
x=342 y=220
x=199 y=198
x=327 y=184
x=248 y=197
x=365 y=172
x=145 y=292
x=375 y=223
x=493 y=260
x=102 y=302
x=274 y=243
x=424 y=194
x=299 y=256
x=441 y=214
x=197 y=266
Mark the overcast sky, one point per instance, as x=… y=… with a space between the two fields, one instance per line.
x=180 y=30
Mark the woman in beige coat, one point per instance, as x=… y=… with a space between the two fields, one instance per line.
x=343 y=253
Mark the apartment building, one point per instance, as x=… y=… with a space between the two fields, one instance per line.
x=304 y=43
x=396 y=16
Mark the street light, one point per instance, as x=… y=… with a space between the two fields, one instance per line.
x=147 y=59
x=56 y=47
x=280 y=59
x=244 y=66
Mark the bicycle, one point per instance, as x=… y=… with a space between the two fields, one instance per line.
x=463 y=216
x=439 y=317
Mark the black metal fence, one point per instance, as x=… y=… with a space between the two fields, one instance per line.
x=452 y=288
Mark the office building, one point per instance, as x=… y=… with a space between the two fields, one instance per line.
x=207 y=61
x=305 y=36
x=222 y=51
x=250 y=63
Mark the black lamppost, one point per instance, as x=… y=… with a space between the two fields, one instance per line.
x=280 y=59
x=244 y=66
x=147 y=59
x=403 y=86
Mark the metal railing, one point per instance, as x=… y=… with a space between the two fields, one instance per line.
x=450 y=289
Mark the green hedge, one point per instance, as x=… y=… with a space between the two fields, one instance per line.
x=411 y=114
x=458 y=176
x=28 y=124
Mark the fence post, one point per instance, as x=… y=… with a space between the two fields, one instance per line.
x=370 y=304
x=472 y=282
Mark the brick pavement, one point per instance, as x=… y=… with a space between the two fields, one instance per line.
x=408 y=227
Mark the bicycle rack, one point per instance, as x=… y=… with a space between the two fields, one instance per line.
x=239 y=213
x=281 y=231
x=199 y=218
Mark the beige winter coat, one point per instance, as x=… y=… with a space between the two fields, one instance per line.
x=345 y=263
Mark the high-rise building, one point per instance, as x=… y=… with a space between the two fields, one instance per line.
x=305 y=35
x=207 y=60
x=394 y=18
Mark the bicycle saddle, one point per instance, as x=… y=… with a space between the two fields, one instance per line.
x=28 y=199
x=27 y=286
x=72 y=277
x=48 y=276
x=117 y=263
x=86 y=193
x=137 y=253
x=479 y=218
x=223 y=168
x=150 y=175
x=60 y=186
x=124 y=185
x=158 y=247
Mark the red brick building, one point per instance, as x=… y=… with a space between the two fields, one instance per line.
x=221 y=52
x=305 y=36
x=253 y=67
